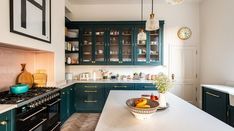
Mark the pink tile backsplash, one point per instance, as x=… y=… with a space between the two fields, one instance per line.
x=10 y=65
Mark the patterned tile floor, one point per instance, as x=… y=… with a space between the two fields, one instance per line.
x=81 y=122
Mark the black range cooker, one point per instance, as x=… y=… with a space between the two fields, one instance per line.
x=37 y=110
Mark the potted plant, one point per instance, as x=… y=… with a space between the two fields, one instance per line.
x=163 y=84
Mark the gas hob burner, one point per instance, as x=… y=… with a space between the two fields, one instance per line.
x=8 y=98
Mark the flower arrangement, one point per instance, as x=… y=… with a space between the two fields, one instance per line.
x=163 y=83
x=104 y=73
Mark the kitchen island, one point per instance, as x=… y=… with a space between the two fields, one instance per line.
x=180 y=116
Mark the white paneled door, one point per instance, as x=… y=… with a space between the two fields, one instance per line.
x=183 y=71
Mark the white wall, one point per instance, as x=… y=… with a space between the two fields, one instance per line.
x=57 y=29
x=175 y=17
x=217 y=41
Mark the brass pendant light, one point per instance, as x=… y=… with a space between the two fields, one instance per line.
x=152 y=22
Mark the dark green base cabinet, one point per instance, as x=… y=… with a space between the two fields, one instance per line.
x=7 y=121
x=67 y=103
x=231 y=116
x=89 y=97
x=215 y=103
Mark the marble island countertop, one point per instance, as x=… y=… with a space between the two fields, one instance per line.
x=180 y=116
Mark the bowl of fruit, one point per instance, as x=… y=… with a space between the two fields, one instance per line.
x=142 y=108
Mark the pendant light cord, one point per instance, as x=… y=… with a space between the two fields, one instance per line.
x=141 y=10
x=152 y=6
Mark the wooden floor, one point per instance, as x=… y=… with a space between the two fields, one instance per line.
x=81 y=122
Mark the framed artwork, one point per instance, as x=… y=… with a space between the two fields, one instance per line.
x=31 y=18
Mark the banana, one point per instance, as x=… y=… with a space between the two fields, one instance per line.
x=141 y=102
x=144 y=106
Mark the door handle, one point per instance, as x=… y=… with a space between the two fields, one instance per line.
x=43 y=120
x=173 y=76
x=33 y=114
x=120 y=86
x=54 y=102
x=211 y=94
x=87 y=101
x=87 y=91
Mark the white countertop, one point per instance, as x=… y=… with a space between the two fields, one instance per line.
x=114 y=81
x=6 y=107
x=68 y=83
x=221 y=88
x=180 y=116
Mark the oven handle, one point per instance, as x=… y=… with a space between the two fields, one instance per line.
x=54 y=102
x=43 y=108
x=55 y=126
x=43 y=120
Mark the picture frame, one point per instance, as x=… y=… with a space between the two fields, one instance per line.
x=31 y=18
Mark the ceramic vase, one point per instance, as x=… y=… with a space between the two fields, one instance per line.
x=162 y=100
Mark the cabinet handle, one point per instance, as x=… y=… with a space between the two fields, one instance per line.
x=87 y=101
x=227 y=113
x=211 y=94
x=90 y=86
x=86 y=91
x=120 y=86
x=3 y=123
x=148 y=87
x=94 y=61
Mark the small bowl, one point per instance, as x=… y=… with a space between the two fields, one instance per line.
x=142 y=113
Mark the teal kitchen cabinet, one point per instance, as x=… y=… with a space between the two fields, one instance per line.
x=67 y=103
x=89 y=97
x=120 y=45
x=7 y=121
x=145 y=86
x=116 y=43
x=215 y=103
x=231 y=115
x=93 y=45
x=149 y=51
x=117 y=86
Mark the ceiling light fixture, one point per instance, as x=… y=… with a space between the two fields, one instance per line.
x=174 y=2
x=152 y=22
x=141 y=35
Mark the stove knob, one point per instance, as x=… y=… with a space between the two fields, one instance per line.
x=39 y=102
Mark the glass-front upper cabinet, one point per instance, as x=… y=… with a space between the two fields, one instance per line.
x=126 y=45
x=154 y=46
x=99 y=46
x=87 y=46
x=142 y=47
x=114 y=45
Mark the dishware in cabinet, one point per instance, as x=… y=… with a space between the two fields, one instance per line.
x=126 y=45
x=100 y=46
x=87 y=46
x=141 y=47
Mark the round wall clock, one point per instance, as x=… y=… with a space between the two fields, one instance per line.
x=184 y=33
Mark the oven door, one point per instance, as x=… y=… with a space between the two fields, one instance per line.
x=53 y=108
x=33 y=120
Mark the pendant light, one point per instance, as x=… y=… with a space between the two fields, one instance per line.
x=152 y=22
x=174 y=2
x=141 y=35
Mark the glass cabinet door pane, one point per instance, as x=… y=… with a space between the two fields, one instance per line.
x=141 y=50
x=114 y=45
x=127 y=45
x=100 y=45
x=154 y=48
x=87 y=45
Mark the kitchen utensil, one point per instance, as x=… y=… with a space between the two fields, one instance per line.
x=19 y=89
x=40 y=78
x=25 y=77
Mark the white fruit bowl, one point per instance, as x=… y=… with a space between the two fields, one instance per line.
x=142 y=113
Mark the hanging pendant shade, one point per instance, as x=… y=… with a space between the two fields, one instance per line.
x=152 y=22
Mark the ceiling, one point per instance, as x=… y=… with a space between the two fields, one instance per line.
x=119 y=1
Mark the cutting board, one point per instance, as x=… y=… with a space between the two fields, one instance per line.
x=25 y=77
